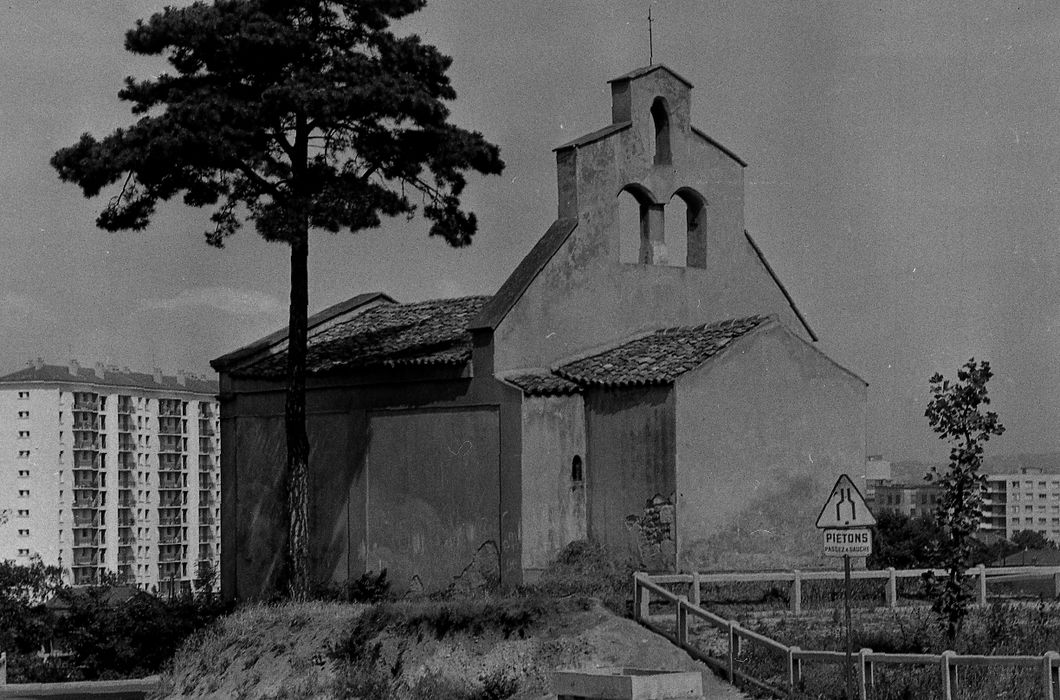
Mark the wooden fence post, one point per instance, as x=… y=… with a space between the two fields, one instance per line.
x=641 y=598
x=864 y=673
x=732 y=652
x=1049 y=675
x=892 y=588
x=796 y=593
x=694 y=594
x=794 y=669
x=948 y=677
x=682 y=624
x=982 y=584
x=3 y=668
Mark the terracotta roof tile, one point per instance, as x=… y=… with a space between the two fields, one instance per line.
x=657 y=358
x=543 y=383
x=388 y=335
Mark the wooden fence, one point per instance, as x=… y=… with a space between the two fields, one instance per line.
x=865 y=661
x=889 y=577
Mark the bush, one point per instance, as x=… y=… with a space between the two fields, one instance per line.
x=368 y=588
x=586 y=568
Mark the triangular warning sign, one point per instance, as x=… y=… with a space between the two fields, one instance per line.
x=845 y=507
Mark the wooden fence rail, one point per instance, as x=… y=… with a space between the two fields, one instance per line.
x=889 y=576
x=865 y=661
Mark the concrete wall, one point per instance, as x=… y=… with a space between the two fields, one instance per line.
x=253 y=502
x=764 y=430
x=585 y=296
x=630 y=469
x=554 y=508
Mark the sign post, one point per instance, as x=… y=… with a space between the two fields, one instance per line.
x=845 y=519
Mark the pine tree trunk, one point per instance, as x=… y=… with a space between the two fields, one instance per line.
x=295 y=423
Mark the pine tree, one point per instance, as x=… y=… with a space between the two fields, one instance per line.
x=293 y=115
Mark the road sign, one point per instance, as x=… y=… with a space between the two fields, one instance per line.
x=854 y=542
x=845 y=507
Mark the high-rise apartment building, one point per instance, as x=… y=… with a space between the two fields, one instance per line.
x=1028 y=499
x=110 y=470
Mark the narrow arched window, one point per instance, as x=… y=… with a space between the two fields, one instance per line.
x=660 y=117
x=577 y=472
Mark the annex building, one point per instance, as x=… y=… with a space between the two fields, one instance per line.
x=641 y=379
x=107 y=470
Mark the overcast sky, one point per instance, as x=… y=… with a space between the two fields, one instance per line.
x=902 y=180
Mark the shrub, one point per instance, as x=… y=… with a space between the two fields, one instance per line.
x=586 y=568
x=370 y=587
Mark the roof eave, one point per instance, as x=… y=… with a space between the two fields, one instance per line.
x=236 y=357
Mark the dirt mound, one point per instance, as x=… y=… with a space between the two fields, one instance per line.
x=283 y=652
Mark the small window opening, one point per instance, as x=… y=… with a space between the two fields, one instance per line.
x=660 y=116
x=577 y=473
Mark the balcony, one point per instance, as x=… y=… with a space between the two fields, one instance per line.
x=206 y=428
x=89 y=423
x=206 y=483
x=126 y=499
x=206 y=534
x=85 y=460
x=170 y=481
x=171 y=539
x=170 y=520
x=169 y=557
x=206 y=463
x=170 y=426
x=86 y=519
x=207 y=445
x=88 y=538
x=170 y=408
x=125 y=405
x=86 y=502
x=169 y=444
x=207 y=520
x=86 y=402
x=87 y=444
x=88 y=559
x=170 y=499
x=86 y=480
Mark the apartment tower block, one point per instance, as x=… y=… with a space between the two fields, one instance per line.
x=105 y=469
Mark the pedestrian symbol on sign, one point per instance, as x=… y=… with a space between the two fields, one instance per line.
x=845 y=507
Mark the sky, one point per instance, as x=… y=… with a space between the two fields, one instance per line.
x=903 y=172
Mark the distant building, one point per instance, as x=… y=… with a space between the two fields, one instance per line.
x=1026 y=500
x=877 y=473
x=109 y=470
x=640 y=379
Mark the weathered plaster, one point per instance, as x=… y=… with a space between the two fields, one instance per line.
x=554 y=510
x=764 y=429
x=630 y=436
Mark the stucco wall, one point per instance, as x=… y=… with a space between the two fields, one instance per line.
x=764 y=429
x=554 y=508
x=253 y=518
x=433 y=509
x=585 y=296
x=630 y=467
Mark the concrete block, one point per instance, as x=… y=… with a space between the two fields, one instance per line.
x=627 y=684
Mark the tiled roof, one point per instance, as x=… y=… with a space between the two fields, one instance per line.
x=60 y=374
x=387 y=335
x=244 y=353
x=543 y=383
x=659 y=357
